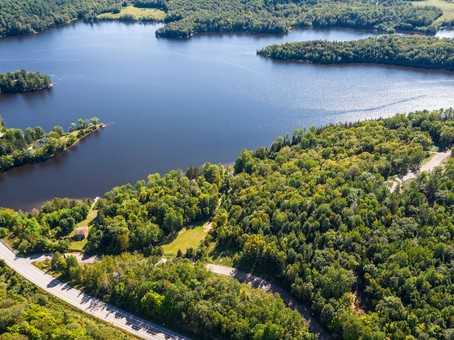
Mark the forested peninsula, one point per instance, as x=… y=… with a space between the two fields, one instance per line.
x=32 y=16
x=183 y=18
x=23 y=81
x=314 y=213
x=18 y=148
x=274 y=16
x=415 y=51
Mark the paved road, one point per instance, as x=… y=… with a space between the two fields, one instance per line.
x=117 y=317
x=437 y=160
x=81 y=257
x=288 y=299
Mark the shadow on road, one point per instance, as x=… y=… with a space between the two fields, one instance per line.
x=54 y=283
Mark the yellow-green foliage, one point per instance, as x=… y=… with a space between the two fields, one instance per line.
x=131 y=13
x=28 y=313
x=183 y=294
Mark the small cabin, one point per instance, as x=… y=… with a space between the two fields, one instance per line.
x=81 y=233
x=1 y=134
x=40 y=142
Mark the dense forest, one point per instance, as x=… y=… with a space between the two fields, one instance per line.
x=270 y=16
x=139 y=217
x=31 y=16
x=416 y=51
x=182 y=295
x=314 y=213
x=129 y=217
x=23 y=81
x=18 y=147
x=185 y=18
x=28 y=313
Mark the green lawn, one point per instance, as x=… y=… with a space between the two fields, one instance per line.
x=446 y=6
x=187 y=238
x=135 y=13
x=79 y=245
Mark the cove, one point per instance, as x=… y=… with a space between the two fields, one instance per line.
x=171 y=103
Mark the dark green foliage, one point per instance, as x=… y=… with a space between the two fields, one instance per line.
x=31 y=16
x=161 y=4
x=413 y=51
x=180 y=294
x=17 y=148
x=185 y=18
x=139 y=217
x=41 y=231
x=28 y=313
x=23 y=81
x=315 y=213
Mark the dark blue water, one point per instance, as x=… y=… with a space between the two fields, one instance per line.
x=171 y=103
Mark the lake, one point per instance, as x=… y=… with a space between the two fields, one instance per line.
x=171 y=103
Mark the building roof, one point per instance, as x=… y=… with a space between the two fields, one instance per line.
x=1 y=134
x=81 y=231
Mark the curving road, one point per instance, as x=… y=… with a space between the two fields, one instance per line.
x=438 y=159
x=288 y=299
x=101 y=310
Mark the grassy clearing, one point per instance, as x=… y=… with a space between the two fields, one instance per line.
x=80 y=245
x=446 y=6
x=132 y=13
x=187 y=238
x=77 y=246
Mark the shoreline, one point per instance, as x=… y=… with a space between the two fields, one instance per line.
x=98 y=127
x=406 y=66
x=48 y=87
x=290 y=29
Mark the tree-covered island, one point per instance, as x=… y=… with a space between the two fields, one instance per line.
x=34 y=145
x=415 y=51
x=23 y=81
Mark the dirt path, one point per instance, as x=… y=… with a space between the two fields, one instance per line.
x=438 y=159
x=288 y=299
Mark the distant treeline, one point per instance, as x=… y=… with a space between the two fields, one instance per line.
x=416 y=51
x=160 y=4
x=185 y=18
x=278 y=16
x=23 y=81
x=18 y=148
x=31 y=16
